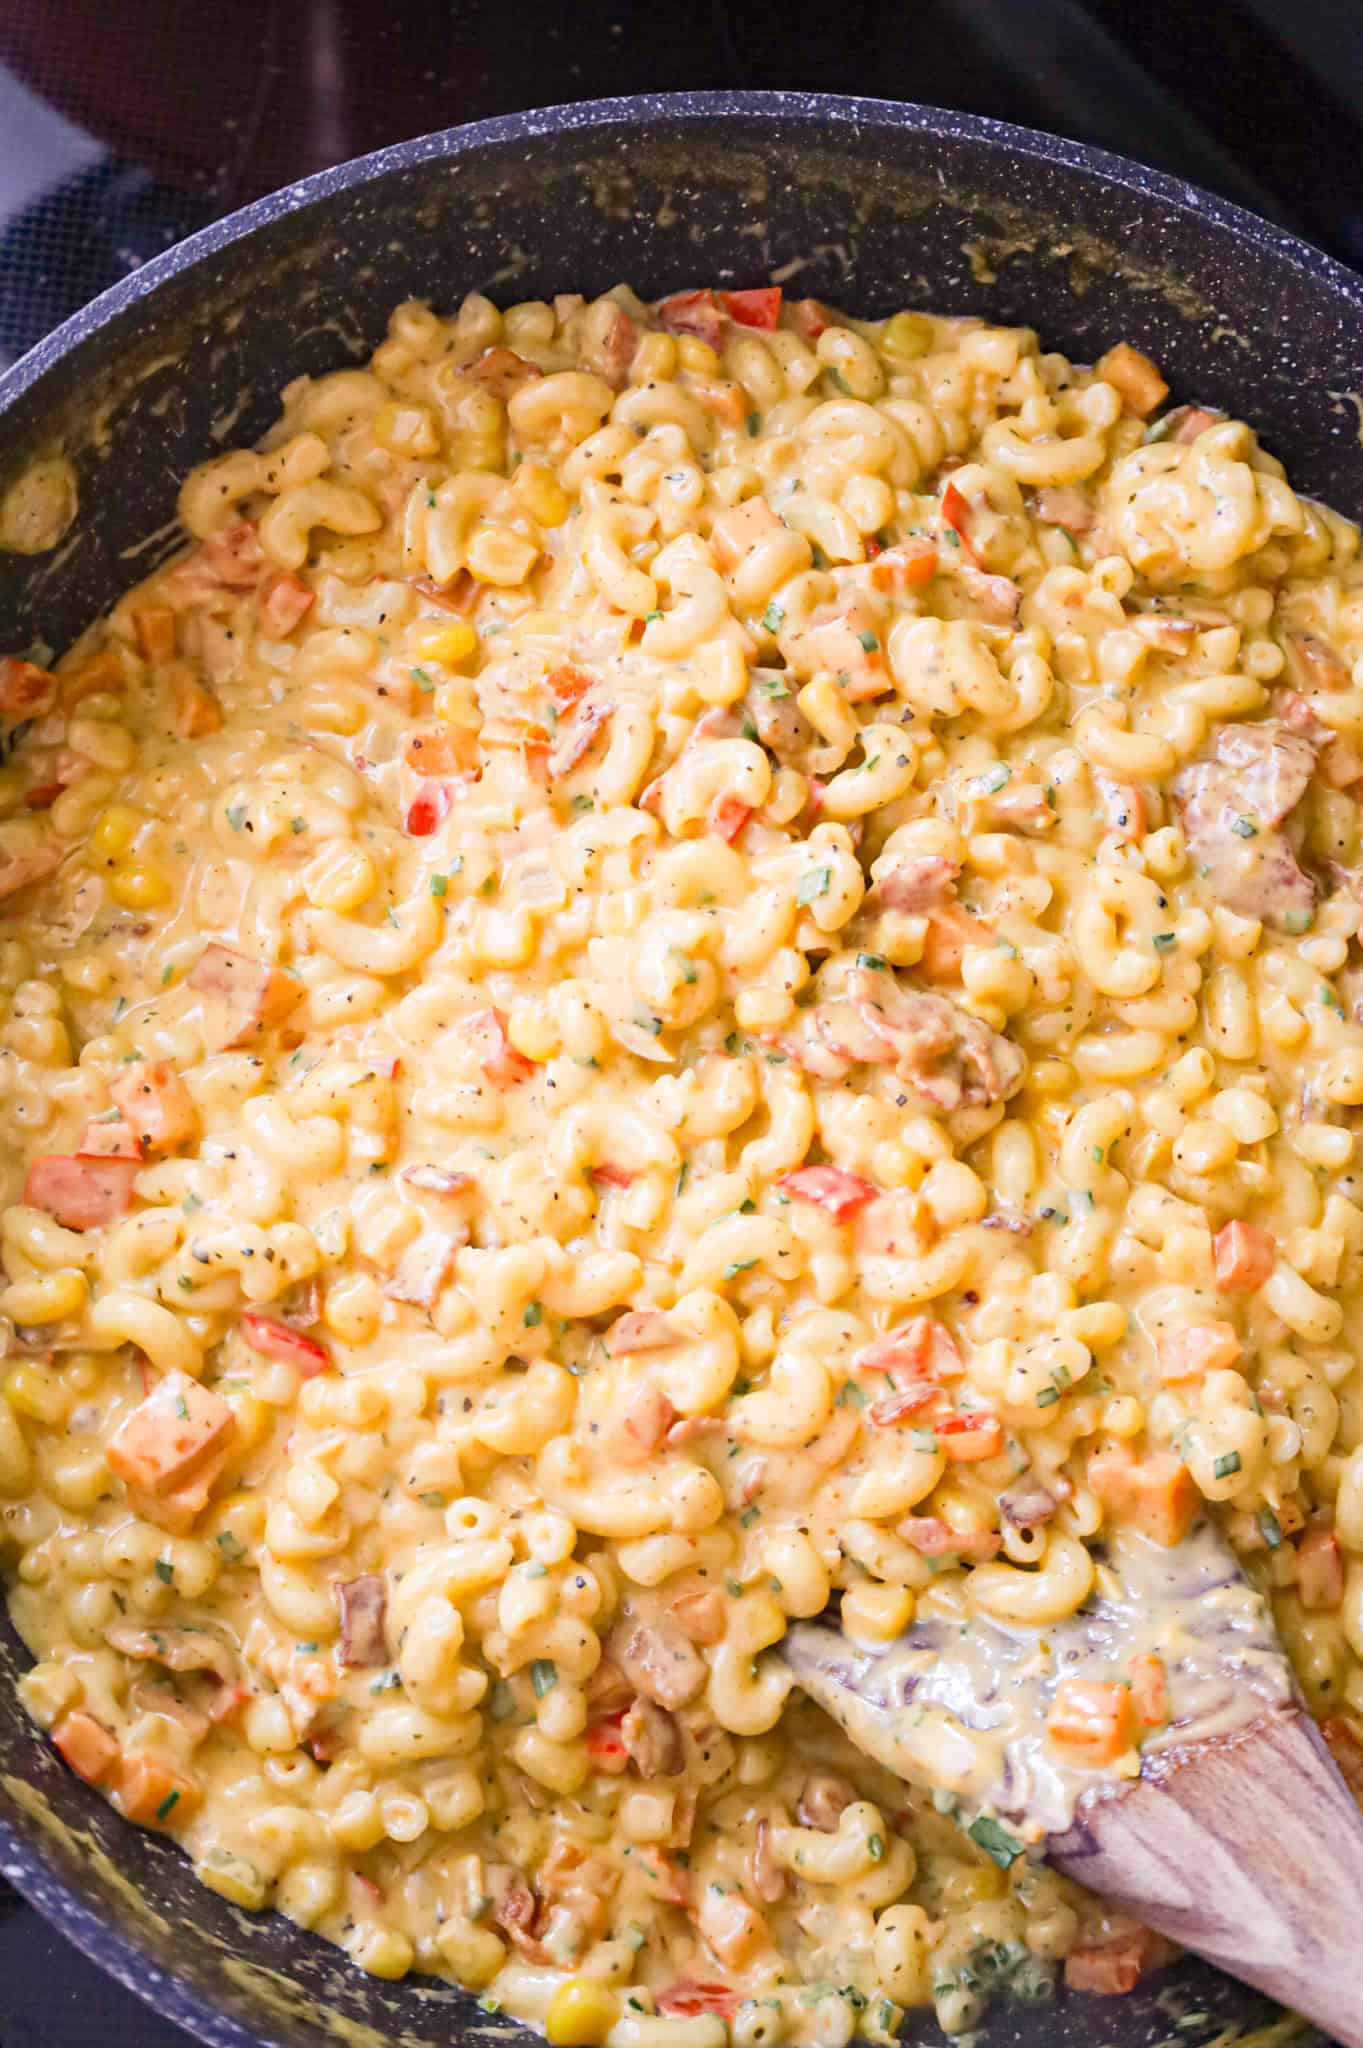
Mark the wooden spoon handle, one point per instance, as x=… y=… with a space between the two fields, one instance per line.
x=1247 y=1849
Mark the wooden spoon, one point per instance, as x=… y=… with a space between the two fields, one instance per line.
x=1234 y=1834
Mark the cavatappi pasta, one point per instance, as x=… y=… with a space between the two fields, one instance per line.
x=697 y=957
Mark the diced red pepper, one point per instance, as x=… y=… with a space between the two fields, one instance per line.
x=901 y=1407
x=567 y=683
x=1320 y=1570
x=966 y=1439
x=728 y=816
x=756 y=308
x=692 y=313
x=930 y=1536
x=922 y=1345
x=686 y=1999
x=284 y=600
x=274 y=1339
x=608 y=1176
x=841 y=1193
x=956 y=515
x=497 y=1056
x=43 y=796
x=426 y=810
x=606 y=1744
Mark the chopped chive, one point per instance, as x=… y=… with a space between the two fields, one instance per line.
x=1270 y=1528
x=736 y=1267
x=168 y=1805
x=817 y=882
x=872 y=961
x=996 y=1842
x=1048 y=1397
x=440 y=885
x=753 y=423
x=868 y=641
x=1227 y=1467
x=773 y=617
x=1165 y=942
x=1244 y=828
x=543 y=1676
x=533 y=1315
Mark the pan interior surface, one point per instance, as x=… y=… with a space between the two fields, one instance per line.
x=868 y=205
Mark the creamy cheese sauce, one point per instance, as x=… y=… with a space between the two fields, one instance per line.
x=694 y=959
x=961 y=1705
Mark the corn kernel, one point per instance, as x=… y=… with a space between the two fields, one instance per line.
x=655 y=359
x=46 y=1298
x=254 y=1419
x=533 y=1032
x=342 y=879
x=878 y=1613
x=499 y=555
x=906 y=337
x=34 y=1390
x=404 y=428
x=457 y=703
x=970 y=1884
x=448 y=644
x=580 y=2014
x=473 y=1953
x=541 y=494
x=383 y=1952
x=115 y=831
x=139 y=886
x=232 y=1878
x=697 y=356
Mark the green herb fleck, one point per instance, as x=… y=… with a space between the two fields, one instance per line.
x=1165 y=942
x=873 y=962
x=737 y=1266
x=533 y=1315
x=543 y=1676
x=817 y=882
x=168 y=1805
x=1228 y=1466
x=996 y=1842
x=165 y=1571
x=773 y=617
x=1244 y=828
x=1270 y=1528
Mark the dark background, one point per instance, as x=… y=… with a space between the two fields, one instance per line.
x=126 y=124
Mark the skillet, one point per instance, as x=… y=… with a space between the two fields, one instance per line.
x=867 y=203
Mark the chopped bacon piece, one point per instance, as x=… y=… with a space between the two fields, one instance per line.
x=653 y=1739
x=606 y=1745
x=232 y=556
x=426 y=1265
x=284 y=600
x=364 y=1610
x=611 y=351
x=900 y=1407
x=997 y=598
x=1320 y=1570
x=24 y=687
x=1199 y=1348
x=754 y=308
x=968 y=1437
x=1232 y=802
x=948 y=934
x=157 y=1107
x=1244 y=1258
x=567 y=683
x=1135 y=379
x=1192 y=420
x=658 y=1660
x=824 y=1798
x=699 y=1612
x=254 y=996
x=1031 y=1507
x=1112 y=1968
x=274 y=1339
x=909 y=565
x=459 y=595
x=608 y=1176
x=692 y=313
x=443 y=750
x=768 y=1877
x=841 y=1193
x=580 y=738
x=1064 y=505
x=81 y=1193
x=1346 y=1747
x=1123 y=806
x=1315 y=665
x=847 y=643
x=170 y=1435
x=502 y=371
x=1092 y=1720
x=1149 y=1689
x=738 y=531
x=497 y=1056
x=721 y=396
x=930 y=1536
x=437 y=1180
x=925 y=882
x=688 y=1997
x=426 y=810
x=728 y=816
x=642 y=1329
x=647 y=1418
x=85 y=1745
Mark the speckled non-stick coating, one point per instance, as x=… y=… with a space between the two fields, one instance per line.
x=876 y=205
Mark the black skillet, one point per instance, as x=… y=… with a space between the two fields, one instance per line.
x=867 y=203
